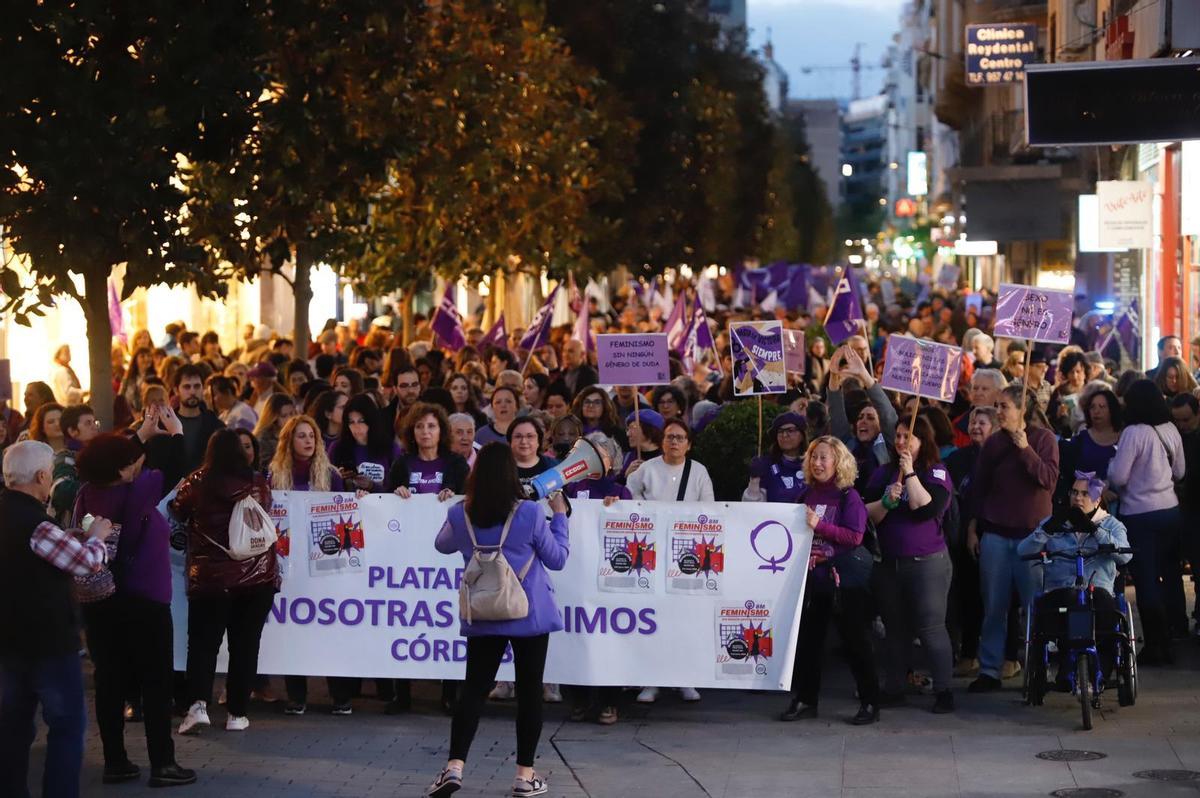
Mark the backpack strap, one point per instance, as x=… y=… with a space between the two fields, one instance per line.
x=503 y=533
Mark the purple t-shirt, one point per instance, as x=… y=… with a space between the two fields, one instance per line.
x=425 y=476
x=597 y=489
x=781 y=480
x=900 y=533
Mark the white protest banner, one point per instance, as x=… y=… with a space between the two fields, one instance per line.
x=1126 y=214
x=638 y=359
x=397 y=614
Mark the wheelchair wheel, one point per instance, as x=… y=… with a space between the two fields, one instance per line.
x=1127 y=671
x=1033 y=685
x=1083 y=685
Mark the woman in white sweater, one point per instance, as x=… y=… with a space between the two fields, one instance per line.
x=673 y=476
x=1148 y=462
x=659 y=478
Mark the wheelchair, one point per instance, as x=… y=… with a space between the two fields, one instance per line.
x=1084 y=631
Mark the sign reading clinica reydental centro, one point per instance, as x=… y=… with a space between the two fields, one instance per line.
x=997 y=54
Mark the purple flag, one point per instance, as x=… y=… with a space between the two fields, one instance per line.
x=447 y=324
x=539 y=328
x=845 y=313
x=583 y=328
x=116 y=319
x=676 y=327
x=1035 y=314
x=703 y=334
x=795 y=297
x=1127 y=329
x=922 y=368
x=497 y=336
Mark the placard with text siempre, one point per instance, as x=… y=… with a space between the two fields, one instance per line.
x=922 y=368
x=335 y=535
x=697 y=549
x=1034 y=314
x=757 y=353
x=641 y=359
x=629 y=551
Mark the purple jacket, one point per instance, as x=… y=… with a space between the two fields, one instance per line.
x=782 y=480
x=143 y=566
x=529 y=536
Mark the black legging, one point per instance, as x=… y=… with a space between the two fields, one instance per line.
x=132 y=636
x=241 y=615
x=853 y=623
x=483 y=660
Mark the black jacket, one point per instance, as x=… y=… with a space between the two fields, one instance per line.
x=40 y=617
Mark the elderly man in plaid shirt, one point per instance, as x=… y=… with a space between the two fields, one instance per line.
x=39 y=633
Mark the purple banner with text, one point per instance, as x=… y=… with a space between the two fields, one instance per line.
x=758 y=363
x=642 y=359
x=922 y=368
x=1034 y=314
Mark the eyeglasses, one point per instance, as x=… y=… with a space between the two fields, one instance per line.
x=408 y=385
x=597 y=402
x=1081 y=494
x=788 y=430
x=525 y=437
x=675 y=438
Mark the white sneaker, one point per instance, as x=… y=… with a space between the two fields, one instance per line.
x=237 y=723
x=197 y=716
x=690 y=694
x=551 y=694
x=648 y=695
x=503 y=691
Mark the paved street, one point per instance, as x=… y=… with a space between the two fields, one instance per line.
x=729 y=745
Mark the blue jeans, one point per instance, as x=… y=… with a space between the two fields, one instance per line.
x=57 y=684
x=1000 y=570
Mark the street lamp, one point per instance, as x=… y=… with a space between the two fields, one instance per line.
x=847 y=170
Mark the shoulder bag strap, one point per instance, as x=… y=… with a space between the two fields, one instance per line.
x=1167 y=449
x=683 y=480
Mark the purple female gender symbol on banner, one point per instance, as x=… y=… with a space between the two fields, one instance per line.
x=774 y=564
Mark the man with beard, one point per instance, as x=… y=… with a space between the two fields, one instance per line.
x=199 y=423
x=407 y=388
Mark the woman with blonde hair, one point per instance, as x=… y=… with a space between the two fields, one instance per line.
x=839 y=568
x=300 y=461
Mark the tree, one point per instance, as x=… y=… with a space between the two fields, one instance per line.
x=499 y=167
x=703 y=141
x=100 y=101
x=295 y=190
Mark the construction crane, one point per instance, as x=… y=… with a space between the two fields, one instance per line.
x=856 y=65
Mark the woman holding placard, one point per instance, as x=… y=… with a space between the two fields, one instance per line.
x=839 y=572
x=906 y=500
x=1064 y=411
x=778 y=476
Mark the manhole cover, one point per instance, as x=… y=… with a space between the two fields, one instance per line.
x=1167 y=775
x=1087 y=792
x=1070 y=755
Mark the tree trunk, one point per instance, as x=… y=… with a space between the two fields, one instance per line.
x=302 y=290
x=99 y=332
x=406 y=311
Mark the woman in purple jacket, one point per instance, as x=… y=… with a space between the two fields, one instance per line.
x=906 y=500
x=494 y=503
x=130 y=630
x=839 y=569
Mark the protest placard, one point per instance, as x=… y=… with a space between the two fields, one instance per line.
x=922 y=368
x=793 y=350
x=758 y=364
x=1034 y=314
x=642 y=359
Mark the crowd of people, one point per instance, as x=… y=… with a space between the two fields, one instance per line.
x=920 y=510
